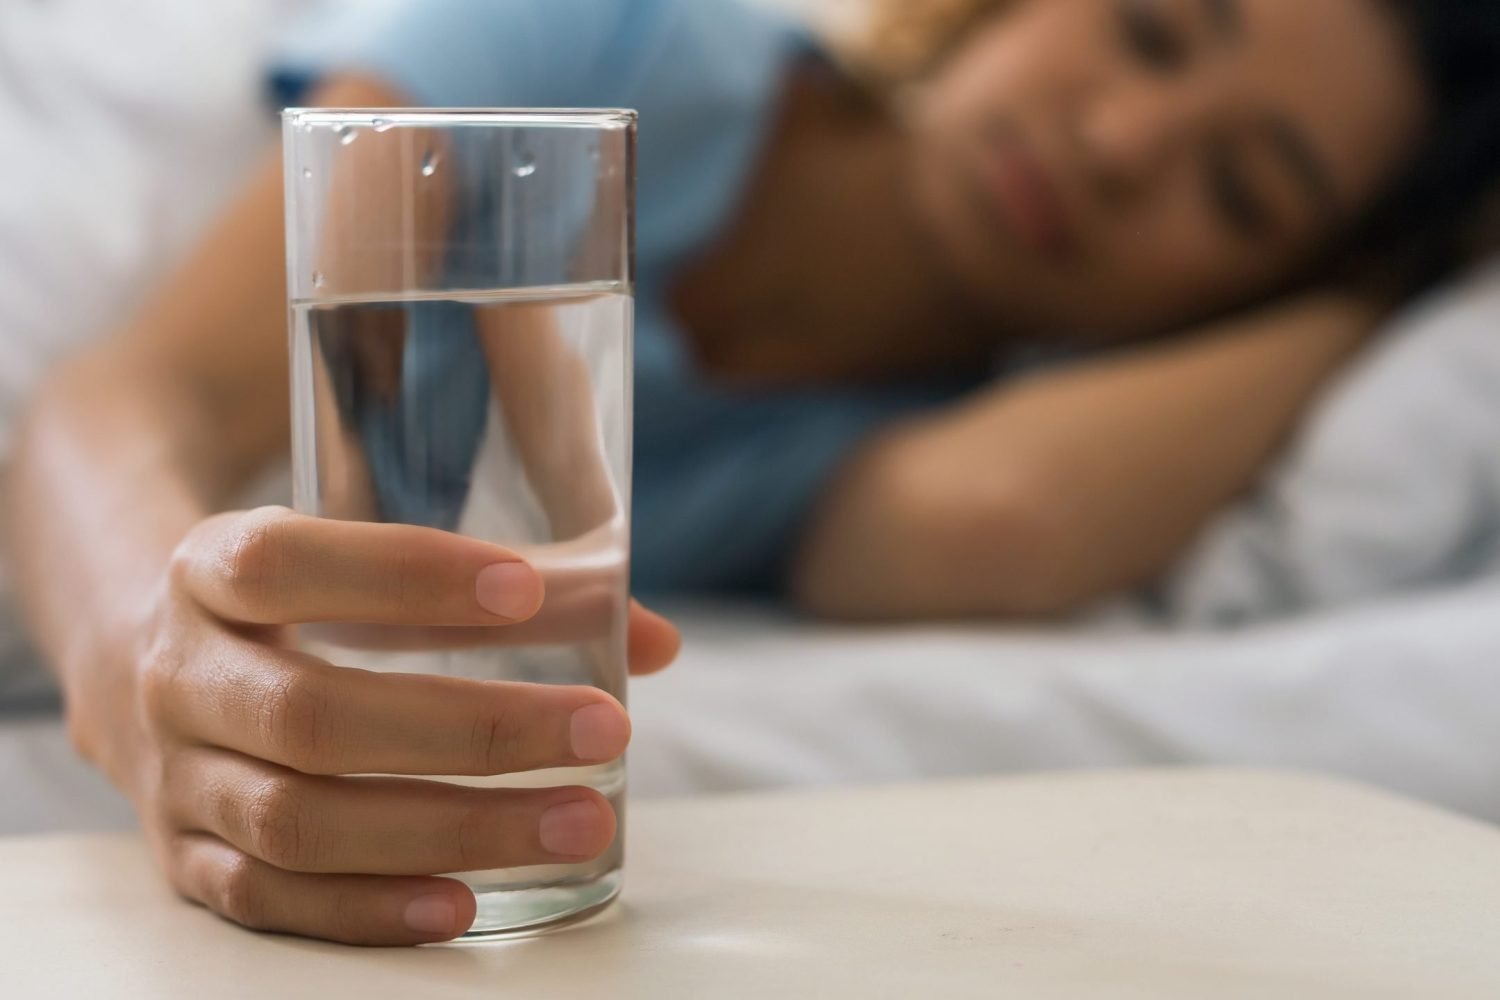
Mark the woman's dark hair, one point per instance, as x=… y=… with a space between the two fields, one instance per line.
x=1423 y=225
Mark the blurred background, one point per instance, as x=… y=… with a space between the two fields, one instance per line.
x=128 y=125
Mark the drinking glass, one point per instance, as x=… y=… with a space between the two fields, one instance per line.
x=461 y=300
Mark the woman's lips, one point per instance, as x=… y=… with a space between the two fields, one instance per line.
x=1026 y=199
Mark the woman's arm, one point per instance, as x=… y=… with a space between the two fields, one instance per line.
x=134 y=441
x=167 y=627
x=1045 y=494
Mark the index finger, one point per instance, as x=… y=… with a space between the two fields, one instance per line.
x=275 y=567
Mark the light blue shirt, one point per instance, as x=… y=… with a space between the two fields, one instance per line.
x=724 y=479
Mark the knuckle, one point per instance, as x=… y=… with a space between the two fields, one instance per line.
x=392 y=582
x=184 y=787
x=474 y=840
x=278 y=828
x=158 y=682
x=496 y=743
x=399 y=582
x=164 y=791
x=239 y=894
x=293 y=718
x=158 y=656
x=185 y=556
x=200 y=547
x=350 y=915
x=173 y=856
x=255 y=555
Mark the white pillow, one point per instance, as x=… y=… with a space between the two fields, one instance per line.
x=1394 y=484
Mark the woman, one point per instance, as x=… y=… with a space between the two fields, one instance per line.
x=822 y=278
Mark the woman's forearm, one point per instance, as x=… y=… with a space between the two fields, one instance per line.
x=1053 y=492
x=98 y=496
x=132 y=442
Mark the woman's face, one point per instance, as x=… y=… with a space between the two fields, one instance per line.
x=1116 y=167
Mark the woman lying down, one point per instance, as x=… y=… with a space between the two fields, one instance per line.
x=846 y=262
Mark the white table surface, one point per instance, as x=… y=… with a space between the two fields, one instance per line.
x=1168 y=884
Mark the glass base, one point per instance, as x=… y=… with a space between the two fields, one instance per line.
x=518 y=913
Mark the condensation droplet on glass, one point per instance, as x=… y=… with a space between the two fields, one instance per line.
x=318 y=280
x=383 y=124
x=526 y=167
x=346 y=134
x=429 y=163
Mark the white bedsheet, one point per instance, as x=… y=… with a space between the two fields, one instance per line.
x=1404 y=695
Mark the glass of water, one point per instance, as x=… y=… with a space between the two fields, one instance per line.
x=461 y=310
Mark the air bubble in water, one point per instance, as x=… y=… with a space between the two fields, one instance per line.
x=307 y=173
x=429 y=163
x=346 y=134
x=319 y=280
x=383 y=124
x=526 y=167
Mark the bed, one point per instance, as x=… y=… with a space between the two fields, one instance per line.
x=1382 y=514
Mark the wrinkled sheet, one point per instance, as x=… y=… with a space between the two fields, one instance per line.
x=1402 y=694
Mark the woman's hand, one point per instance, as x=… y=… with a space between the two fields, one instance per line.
x=1036 y=498
x=241 y=755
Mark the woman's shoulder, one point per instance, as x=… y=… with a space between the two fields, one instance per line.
x=578 y=53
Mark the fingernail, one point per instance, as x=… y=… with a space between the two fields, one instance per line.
x=599 y=733
x=572 y=830
x=434 y=914
x=511 y=590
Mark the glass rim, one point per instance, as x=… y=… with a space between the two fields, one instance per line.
x=600 y=118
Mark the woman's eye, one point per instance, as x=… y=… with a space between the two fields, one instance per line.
x=1233 y=197
x=1151 y=37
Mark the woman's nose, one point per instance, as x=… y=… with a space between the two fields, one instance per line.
x=1127 y=134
